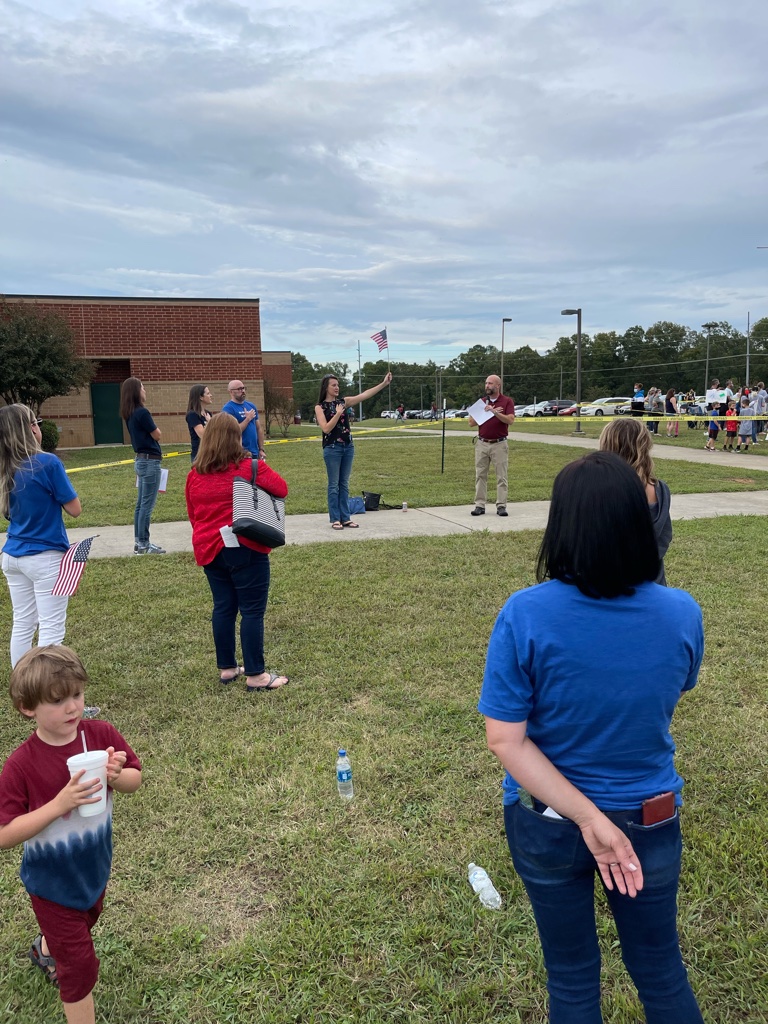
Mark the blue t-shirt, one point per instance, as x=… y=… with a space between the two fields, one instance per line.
x=597 y=680
x=40 y=488
x=141 y=426
x=250 y=434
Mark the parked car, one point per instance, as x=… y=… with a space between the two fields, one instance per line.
x=570 y=411
x=532 y=410
x=553 y=407
x=452 y=414
x=413 y=414
x=604 y=406
x=462 y=414
x=387 y=414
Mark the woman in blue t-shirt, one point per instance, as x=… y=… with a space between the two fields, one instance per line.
x=34 y=488
x=145 y=438
x=586 y=743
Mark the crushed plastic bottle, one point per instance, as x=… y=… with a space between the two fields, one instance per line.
x=344 y=776
x=484 y=887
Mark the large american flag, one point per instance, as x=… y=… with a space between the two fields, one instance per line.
x=71 y=569
x=381 y=339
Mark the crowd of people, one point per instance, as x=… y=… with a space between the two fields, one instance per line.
x=747 y=406
x=590 y=788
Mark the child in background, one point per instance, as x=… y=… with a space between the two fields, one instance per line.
x=714 y=429
x=745 y=425
x=731 y=426
x=67 y=858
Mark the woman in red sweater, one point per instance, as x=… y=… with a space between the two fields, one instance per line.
x=238 y=575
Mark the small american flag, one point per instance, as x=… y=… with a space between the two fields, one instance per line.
x=71 y=569
x=381 y=339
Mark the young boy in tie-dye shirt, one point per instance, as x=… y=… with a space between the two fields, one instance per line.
x=67 y=858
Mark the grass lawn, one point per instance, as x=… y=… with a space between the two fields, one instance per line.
x=401 y=466
x=244 y=889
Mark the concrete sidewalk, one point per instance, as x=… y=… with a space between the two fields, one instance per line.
x=115 y=541
x=757 y=463
x=442 y=521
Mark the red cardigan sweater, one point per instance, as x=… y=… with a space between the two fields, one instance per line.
x=209 y=505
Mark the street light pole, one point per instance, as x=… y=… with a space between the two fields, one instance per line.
x=504 y=320
x=708 y=328
x=577 y=314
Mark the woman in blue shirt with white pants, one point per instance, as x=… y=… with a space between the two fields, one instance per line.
x=34 y=488
x=586 y=742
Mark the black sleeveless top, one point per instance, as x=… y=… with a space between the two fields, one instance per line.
x=341 y=432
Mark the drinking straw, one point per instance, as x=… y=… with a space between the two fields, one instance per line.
x=82 y=737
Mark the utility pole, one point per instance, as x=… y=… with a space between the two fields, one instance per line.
x=359 y=381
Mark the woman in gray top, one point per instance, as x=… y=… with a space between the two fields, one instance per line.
x=628 y=438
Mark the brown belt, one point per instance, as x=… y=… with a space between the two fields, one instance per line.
x=492 y=440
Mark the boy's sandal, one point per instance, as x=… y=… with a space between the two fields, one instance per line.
x=46 y=963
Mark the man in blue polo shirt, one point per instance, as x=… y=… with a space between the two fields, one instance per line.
x=247 y=416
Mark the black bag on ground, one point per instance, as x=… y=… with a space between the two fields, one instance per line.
x=256 y=514
x=373 y=502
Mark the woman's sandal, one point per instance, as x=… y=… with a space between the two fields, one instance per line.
x=273 y=677
x=336 y=526
x=231 y=679
x=46 y=963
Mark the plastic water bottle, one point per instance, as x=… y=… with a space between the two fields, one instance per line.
x=344 y=776
x=484 y=887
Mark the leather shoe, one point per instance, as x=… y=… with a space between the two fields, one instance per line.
x=501 y=512
x=477 y=511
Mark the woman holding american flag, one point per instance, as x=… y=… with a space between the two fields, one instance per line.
x=34 y=488
x=338 y=450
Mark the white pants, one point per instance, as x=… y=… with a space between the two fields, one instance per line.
x=31 y=579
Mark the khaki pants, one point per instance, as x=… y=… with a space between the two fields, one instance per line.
x=496 y=455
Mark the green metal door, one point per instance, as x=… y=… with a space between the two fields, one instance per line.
x=107 y=425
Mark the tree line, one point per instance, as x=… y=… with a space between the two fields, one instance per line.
x=38 y=361
x=665 y=355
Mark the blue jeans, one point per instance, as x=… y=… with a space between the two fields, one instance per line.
x=558 y=872
x=338 y=465
x=148 y=472
x=239 y=582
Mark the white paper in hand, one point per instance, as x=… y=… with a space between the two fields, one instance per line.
x=478 y=413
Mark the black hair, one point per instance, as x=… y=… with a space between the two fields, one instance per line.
x=324 y=386
x=195 y=403
x=599 y=534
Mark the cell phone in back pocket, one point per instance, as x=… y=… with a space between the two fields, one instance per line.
x=658 y=808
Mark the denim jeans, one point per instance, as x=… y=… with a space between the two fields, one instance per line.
x=558 y=872
x=338 y=465
x=148 y=473
x=31 y=579
x=239 y=582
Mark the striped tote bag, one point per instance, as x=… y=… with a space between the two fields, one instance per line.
x=257 y=515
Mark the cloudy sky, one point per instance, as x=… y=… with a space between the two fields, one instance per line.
x=429 y=165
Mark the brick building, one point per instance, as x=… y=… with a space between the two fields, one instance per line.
x=170 y=344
